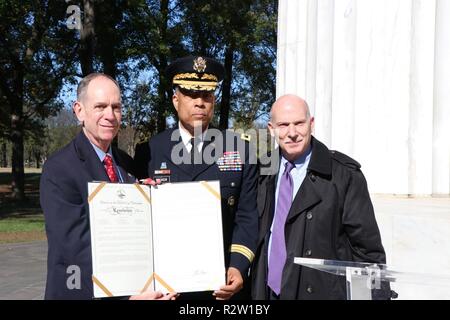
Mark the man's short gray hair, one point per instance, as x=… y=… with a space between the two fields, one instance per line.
x=84 y=83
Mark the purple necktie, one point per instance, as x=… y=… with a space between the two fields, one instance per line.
x=278 y=248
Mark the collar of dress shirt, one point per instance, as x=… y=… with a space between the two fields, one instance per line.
x=186 y=136
x=102 y=154
x=299 y=162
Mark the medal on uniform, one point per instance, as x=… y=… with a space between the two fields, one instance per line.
x=230 y=161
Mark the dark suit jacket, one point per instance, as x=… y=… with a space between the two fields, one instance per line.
x=63 y=195
x=331 y=217
x=238 y=188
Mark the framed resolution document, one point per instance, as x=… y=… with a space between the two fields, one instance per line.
x=166 y=238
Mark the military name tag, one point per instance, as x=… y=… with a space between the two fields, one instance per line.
x=230 y=161
x=163 y=179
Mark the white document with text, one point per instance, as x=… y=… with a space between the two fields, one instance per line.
x=166 y=238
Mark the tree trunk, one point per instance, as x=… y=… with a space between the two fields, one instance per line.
x=4 y=160
x=87 y=38
x=18 y=176
x=37 y=157
x=164 y=100
x=109 y=63
x=226 y=89
x=107 y=35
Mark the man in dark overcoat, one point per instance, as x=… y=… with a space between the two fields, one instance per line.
x=315 y=205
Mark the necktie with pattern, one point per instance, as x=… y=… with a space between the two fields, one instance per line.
x=278 y=248
x=108 y=162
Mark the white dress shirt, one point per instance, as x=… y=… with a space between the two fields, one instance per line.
x=186 y=138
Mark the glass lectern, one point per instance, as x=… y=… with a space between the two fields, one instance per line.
x=366 y=281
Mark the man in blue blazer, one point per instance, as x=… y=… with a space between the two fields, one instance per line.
x=63 y=188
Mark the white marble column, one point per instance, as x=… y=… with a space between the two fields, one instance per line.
x=324 y=70
x=376 y=75
x=441 y=111
x=344 y=54
x=421 y=97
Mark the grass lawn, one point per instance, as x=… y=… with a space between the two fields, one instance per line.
x=22 y=228
x=21 y=221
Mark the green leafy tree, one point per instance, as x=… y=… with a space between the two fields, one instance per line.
x=36 y=56
x=155 y=39
x=242 y=34
x=255 y=88
x=60 y=130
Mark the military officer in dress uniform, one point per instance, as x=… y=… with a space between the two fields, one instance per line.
x=193 y=151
